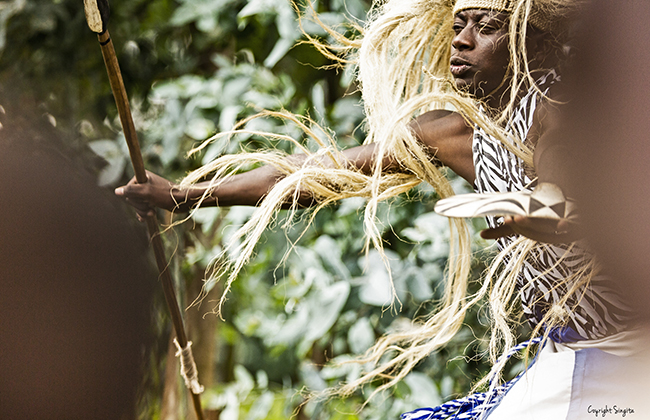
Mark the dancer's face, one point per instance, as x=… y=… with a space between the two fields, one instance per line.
x=479 y=52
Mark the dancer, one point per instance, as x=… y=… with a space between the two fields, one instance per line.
x=467 y=85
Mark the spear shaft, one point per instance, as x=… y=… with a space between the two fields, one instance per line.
x=126 y=119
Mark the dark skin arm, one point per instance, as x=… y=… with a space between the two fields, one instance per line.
x=447 y=138
x=445 y=134
x=541 y=230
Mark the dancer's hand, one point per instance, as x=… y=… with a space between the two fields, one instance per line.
x=538 y=229
x=156 y=192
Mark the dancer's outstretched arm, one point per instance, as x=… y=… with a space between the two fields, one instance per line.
x=445 y=135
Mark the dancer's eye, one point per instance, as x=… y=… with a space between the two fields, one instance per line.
x=487 y=27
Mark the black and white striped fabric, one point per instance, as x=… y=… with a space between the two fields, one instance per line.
x=589 y=314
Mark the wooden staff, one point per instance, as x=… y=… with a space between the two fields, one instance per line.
x=97 y=12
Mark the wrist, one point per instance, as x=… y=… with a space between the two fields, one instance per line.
x=180 y=199
x=186 y=198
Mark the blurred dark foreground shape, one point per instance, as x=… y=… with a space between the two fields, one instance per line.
x=607 y=130
x=75 y=285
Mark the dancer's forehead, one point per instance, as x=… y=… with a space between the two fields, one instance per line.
x=478 y=14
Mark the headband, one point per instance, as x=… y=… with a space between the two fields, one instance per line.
x=538 y=17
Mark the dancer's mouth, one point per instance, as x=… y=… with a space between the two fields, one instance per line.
x=458 y=66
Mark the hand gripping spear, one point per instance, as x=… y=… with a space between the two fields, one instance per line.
x=97 y=13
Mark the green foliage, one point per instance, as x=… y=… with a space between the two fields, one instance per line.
x=193 y=68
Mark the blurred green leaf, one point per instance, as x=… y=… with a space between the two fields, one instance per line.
x=115 y=158
x=361 y=336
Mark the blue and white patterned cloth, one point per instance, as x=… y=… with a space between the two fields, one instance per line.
x=475 y=406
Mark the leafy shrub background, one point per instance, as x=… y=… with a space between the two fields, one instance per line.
x=195 y=67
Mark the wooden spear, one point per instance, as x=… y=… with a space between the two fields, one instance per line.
x=97 y=13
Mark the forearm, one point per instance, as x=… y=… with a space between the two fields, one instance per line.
x=250 y=188
x=245 y=189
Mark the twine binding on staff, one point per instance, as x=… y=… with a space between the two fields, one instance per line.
x=476 y=406
x=188 y=368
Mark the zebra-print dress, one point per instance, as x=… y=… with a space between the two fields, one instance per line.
x=590 y=313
